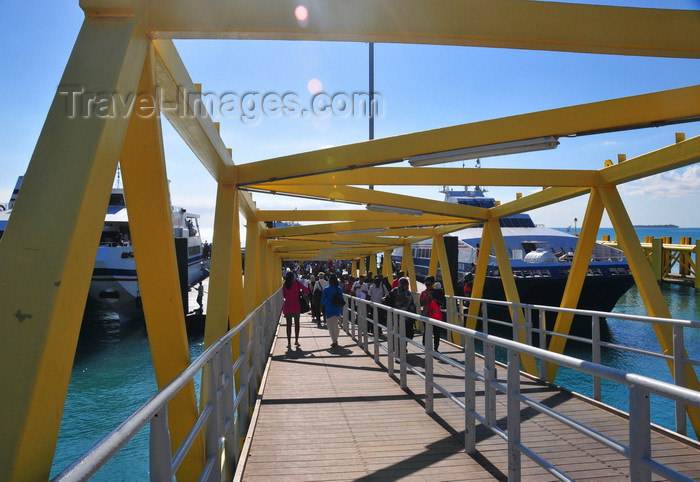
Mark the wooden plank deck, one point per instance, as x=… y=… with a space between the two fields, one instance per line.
x=336 y=415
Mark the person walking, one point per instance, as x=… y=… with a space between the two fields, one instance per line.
x=291 y=289
x=401 y=298
x=376 y=292
x=332 y=311
x=321 y=284
x=434 y=310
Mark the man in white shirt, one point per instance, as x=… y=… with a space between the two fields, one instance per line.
x=376 y=292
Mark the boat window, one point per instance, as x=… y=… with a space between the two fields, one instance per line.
x=117 y=199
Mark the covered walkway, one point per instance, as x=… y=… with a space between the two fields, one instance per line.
x=327 y=414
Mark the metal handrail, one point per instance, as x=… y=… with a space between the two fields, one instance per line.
x=216 y=419
x=641 y=463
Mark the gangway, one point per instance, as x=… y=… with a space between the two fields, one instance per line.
x=478 y=415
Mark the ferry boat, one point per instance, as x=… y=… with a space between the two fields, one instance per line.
x=540 y=259
x=114 y=280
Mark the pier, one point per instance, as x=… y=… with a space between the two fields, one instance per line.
x=674 y=263
x=325 y=414
x=125 y=48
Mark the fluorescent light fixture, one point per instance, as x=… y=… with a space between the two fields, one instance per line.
x=394 y=210
x=347 y=243
x=363 y=231
x=503 y=148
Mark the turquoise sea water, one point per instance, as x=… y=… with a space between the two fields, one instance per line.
x=113 y=373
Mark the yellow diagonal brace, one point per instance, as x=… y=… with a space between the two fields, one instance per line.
x=577 y=276
x=671 y=157
x=221 y=263
x=350 y=215
x=65 y=193
x=456 y=176
x=569 y=27
x=479 y=277
x=646 y=284
x=511 y=290
x=184 y=110
x=433 y=266
x=439 y=252
x=387 y=266
x=407 y=266
x=252 y=264
x=367 y=196
x=642 y=110
x=151 y=227
x=537 y=200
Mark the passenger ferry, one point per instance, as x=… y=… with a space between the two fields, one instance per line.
x=114 y=280
x=540 y=258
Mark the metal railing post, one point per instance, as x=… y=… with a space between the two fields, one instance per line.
x=213 y=432
x=244 y=377
x=542 y=325
x=391 y=340
x=679 y=376
x=513 y=417
x=489 y=378
x=595 y=355
x=640 y=434
x=469 y=395
x=402 y=350
x=160 y=453
x=227 y=415
x=428 y=367
x=375 y=321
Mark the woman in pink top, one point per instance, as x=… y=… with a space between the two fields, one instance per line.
x=291 y=308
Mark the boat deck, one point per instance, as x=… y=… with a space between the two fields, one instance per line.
x=336 y=415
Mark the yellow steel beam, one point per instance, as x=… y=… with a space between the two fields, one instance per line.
x=64 y=193
x=364 y=239
x=309 y=229
x=513 y=24
x=479 y=277
x=642 y=110
x=349 y=215
x=387 y=266
x=646 y=284
x=539 y=199
x=454 y=176
x=218 y=302
x=370 y=196
x=671 y=157
x=577 y=276
x=252 y=263
x=150 y=222
x=509 y=287
x=183 y=108
x=407 y=266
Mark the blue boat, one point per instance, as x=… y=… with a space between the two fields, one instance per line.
x=540 y=258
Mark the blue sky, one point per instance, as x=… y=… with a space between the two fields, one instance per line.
x=422 y=87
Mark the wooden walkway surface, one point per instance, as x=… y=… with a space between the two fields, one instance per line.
x=336 y=415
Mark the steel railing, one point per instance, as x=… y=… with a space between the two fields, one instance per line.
x=641 y=462
x=225 y=409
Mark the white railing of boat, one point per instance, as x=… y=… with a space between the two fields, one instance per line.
x=639 y=450
x=224 y=415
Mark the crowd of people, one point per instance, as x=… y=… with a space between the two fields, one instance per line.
x=323 y=281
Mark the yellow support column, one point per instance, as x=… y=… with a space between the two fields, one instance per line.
x=373 y=263
x=433 y=265
x=151 y=227
x=236 y=310
x=65 y=193
x=252 y=264
x=261 y=284
x=479 y=277
x=407 y=266
x=577 y=276
x=387 y=266
x=439 y=252
x=646 y=284
x=223 y=260
x=511 y=290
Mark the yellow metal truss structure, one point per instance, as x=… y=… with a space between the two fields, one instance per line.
x=125 y=47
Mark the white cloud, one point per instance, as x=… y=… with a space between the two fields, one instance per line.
x=675 y=184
